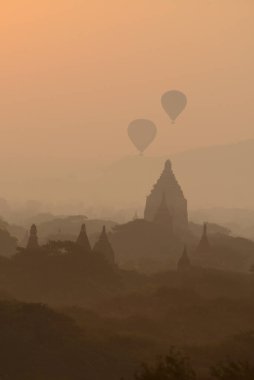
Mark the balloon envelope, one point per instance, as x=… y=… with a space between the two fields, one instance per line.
x=173 y=103
x=142 y=132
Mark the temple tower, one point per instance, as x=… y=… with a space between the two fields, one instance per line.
x=184 y=263
x=163 y=216
x=204 y=245
x=33 y=239
x=104 y=247
x=168 y=187
x=82 y=240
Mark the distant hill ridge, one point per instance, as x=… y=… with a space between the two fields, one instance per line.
x=216 y=176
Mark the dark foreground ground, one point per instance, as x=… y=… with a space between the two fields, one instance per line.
x=209 y=315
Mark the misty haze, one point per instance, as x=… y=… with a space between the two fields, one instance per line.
x=126 y=190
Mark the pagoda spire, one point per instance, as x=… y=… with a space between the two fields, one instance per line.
x=104 y=248
x=83 y=241
x=167 y=166
x=184 y=263
x=168 y=185
x=204 y=245
x=33 y=239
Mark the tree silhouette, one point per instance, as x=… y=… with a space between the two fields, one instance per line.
x=233 y=371
x=175 y=366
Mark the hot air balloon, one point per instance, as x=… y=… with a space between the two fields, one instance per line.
x=173 y=103
x=142 y=132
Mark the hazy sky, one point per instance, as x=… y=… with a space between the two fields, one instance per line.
x=75 y=73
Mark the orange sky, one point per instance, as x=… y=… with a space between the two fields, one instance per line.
x=74 y=73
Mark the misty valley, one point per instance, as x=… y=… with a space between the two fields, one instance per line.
x=158 y=297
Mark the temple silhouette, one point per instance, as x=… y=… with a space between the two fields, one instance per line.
x=204 y=245
x=32 y=243
x=160 y=235
x=184 y=263
x=163 y=231
x=168 y=195
x=102 y=247
x=83 y=241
